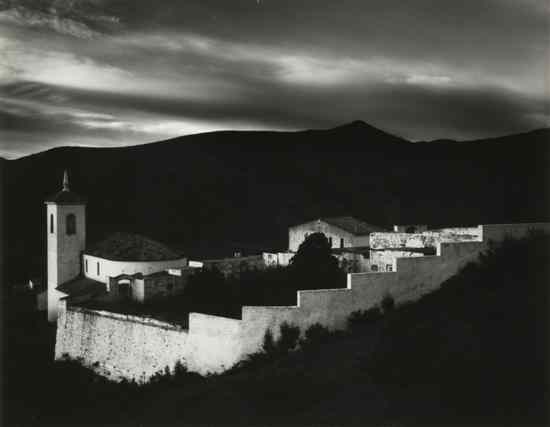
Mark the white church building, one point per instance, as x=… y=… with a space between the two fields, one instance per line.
x=121 y=266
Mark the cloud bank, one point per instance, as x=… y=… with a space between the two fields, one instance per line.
x=109 y=73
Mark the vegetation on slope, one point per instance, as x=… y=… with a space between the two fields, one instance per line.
x=473 y=353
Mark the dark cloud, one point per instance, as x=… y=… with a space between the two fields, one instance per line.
x=120 y=72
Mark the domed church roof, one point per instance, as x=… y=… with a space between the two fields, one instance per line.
x=132 y=247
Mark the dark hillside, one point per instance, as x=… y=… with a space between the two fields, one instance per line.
x=209 y=194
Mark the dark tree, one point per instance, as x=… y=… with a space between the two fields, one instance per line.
x=314 y=267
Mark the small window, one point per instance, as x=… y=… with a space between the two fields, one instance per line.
x=389 y=267
x=98 y=268
x=51 y=223
x=86 y=265
x=341 y=243
x=71 y=224
x=330 y=241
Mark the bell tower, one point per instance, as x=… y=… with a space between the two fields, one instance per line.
x=66 y=240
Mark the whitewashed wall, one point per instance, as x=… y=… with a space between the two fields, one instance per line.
x=425 y=239
x=119 y=346
x=130 y=347
x=63 y=250
x=108 y=268
x=297 y=234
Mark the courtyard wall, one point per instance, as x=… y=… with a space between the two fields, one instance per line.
x=132 y=347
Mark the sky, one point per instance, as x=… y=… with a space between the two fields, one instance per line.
x=124 y=72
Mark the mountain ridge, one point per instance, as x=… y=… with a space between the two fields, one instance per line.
x=353 y=126
x=210 y=194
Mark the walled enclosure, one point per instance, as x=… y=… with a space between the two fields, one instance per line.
x=213 y=344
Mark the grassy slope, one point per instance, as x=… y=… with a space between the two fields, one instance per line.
x=473 y=353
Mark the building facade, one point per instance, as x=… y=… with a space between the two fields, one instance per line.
x=342 y=232
x=122 y=266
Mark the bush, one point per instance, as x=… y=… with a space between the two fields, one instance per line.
x=289 y=338
x=315 y=335
x=359 y=319
x=269 y=347
x=388 y=303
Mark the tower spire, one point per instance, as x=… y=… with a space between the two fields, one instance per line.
x=65 y=181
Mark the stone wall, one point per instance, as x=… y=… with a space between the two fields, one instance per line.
x=425 y=239
x=119 y=346
x=135 y=348
x=385 y=260
x=410 y=228
x=131 y=347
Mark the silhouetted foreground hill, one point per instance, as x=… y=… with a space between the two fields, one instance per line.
x=212 y=193
x=474 y=353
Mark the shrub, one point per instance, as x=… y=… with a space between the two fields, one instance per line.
x=289 y=338
x=359 y=319
x=315 y=335
x=269 y=346
x=388 y=303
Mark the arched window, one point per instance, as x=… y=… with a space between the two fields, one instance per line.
x=71 y=224
x=51 y=223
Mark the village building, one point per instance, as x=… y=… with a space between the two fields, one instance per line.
x=348 y=237
x=123 y=266
x=404 y=265
x=408 y=241
x=341 y=232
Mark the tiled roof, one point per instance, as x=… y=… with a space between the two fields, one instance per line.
x=352 y=225
x=82 y=286
x=65 y=197
x=132 y=247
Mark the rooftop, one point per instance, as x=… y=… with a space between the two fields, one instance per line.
x=352 y=225
x=82 y=286
x=132 y=247
x=65 y=196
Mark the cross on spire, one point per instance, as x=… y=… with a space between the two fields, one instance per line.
x=65 y=181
